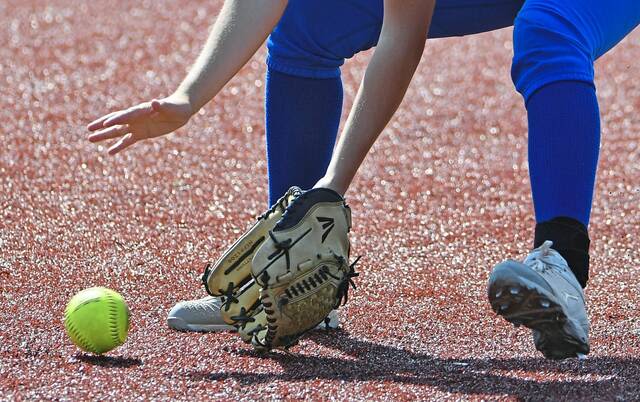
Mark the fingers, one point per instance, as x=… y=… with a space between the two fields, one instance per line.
x=124 y=142
x=109 y=133
x=97 y=124
x=128 y=115
x=115 y=132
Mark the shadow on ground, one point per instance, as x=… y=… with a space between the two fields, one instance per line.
x=109 y=361
x=526 y=378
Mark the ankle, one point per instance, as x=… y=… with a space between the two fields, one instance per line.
x=571 y=239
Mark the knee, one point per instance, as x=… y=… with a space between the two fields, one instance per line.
x=548 y=47
x=314 y=37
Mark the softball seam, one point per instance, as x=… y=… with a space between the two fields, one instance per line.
x=84 y=343
x=113 y=320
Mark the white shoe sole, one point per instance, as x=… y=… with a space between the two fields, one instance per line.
x=331 y=322
x=181 y=325
x=522 y=298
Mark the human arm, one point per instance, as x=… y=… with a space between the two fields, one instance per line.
x=387 y=77
x=240 y=29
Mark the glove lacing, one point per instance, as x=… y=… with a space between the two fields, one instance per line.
x=342 y=293
x=282 y=246
x=299 y=200
x=242 y=319
x=205 y=276
x=282 y=203
x=229 y=297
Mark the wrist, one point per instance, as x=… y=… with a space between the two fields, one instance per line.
x=183 y=97
x=332 y=183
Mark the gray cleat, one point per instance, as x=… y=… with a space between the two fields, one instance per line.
x=200 y=315
x=543 y=294
x=203 y=315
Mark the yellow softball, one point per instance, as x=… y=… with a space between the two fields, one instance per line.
x=97 y=320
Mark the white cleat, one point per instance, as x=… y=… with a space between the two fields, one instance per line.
x=203 y=315
x=331 y=322
x=543 y=294
x=200 y=315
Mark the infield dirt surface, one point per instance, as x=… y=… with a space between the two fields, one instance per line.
x=443 y=197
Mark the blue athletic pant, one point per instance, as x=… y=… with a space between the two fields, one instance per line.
x=554 y=41
x=555 y=45
x=303 y=88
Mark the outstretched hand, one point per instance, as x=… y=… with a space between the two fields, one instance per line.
x=146 y=120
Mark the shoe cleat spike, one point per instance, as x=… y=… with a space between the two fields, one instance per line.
x=504 y=306
x=514 y=291
x=499 y=293
x=545 y=303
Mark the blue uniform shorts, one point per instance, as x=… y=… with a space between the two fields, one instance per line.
x=553 y=39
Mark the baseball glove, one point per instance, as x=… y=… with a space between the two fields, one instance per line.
x=230 y=277
x=302 y=268
x=298 y=274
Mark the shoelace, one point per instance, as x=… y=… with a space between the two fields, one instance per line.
x=543 y=258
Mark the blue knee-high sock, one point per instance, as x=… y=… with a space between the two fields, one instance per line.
x=564 y=143
x=302 y=119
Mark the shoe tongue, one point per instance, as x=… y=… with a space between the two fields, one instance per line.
x=299 y=207
x=539 y=253
x=545 y=255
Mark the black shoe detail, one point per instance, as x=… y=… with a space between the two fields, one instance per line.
x=571 y=239
x=327 y=225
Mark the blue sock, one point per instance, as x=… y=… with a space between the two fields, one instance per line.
x=302 y=119
x=564 y=143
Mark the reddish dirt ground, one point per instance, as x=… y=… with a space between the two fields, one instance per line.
x=443 y=197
